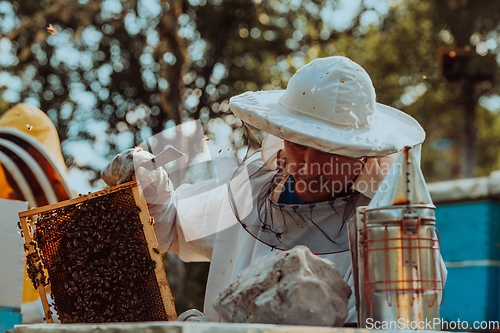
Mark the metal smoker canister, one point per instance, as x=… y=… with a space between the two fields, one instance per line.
x=398 y=259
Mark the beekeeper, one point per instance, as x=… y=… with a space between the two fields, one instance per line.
x=329 y=145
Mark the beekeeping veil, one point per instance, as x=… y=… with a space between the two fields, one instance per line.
x=328 y=105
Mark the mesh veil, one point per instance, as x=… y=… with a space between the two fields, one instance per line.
x=321 y=226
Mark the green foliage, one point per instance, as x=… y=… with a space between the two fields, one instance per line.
x=133 y=65
x=187 y=282
x=119 y=71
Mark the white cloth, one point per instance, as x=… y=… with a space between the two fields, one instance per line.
x=232 y=248
x=204 y=210
x=33 y=312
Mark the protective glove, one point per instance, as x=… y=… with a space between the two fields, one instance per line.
x=193 y=315
x=155 y=183
x=122 y=167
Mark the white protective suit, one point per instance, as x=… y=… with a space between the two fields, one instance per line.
x=195 y=211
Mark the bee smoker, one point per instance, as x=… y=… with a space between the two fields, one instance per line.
x=396 y=256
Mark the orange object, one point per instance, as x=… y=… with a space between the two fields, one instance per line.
x=32 y=167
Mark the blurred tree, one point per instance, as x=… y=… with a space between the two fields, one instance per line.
x=97 y=77
x=118 y=71
x=400 y=44
x=468 y=23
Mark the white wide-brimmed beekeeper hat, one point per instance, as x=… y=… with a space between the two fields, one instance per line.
x=330 y=105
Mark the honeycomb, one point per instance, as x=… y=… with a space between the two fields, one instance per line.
x=99 y=261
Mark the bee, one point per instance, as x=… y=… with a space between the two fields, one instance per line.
x=29 y=127
x=52 y=30
x=156 y=250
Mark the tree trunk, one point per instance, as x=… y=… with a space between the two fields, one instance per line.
x=170 y=101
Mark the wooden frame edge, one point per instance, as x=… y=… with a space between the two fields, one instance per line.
x=41 y=288
x=161 y=277
x=48 y=208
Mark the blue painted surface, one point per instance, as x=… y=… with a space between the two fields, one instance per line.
x=470 y=294
x=470 y=232
x=9 y=317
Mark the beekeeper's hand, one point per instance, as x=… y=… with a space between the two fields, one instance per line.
x=122 y=167
x=193 y=315
x=155 y=183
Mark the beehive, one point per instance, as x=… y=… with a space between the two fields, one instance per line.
x=101 y=256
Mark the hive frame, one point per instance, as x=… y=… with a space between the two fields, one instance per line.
x=161 y=277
